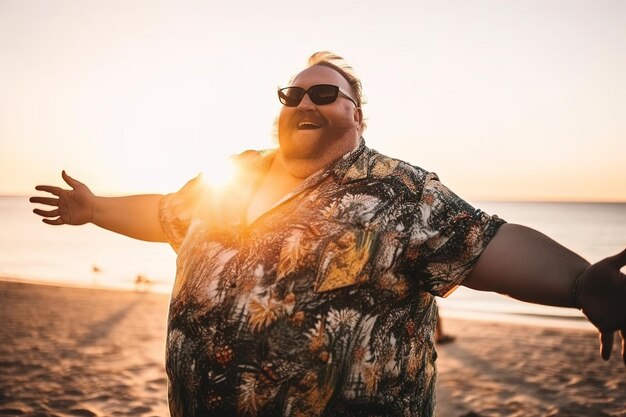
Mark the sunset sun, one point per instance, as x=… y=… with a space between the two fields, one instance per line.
x=219 y=172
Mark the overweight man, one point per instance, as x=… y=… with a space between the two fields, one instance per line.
x=307 y=288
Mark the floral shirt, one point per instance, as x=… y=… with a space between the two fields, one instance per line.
x=323 y=306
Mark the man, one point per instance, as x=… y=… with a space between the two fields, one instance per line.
x=307 y=288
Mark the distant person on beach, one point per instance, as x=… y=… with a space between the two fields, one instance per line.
x=307 y=287
x=441 y=338
x=142 y=283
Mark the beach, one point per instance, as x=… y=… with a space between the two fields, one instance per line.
x=500 y=369
x=69 y=351
x=81 y=352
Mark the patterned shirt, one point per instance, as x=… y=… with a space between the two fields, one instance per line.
x=324 y=305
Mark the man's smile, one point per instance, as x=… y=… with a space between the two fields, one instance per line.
x=308 y=125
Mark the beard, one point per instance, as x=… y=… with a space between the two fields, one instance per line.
x=327 y=142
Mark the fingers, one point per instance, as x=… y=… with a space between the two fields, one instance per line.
x=70 y=181
x=606 y=344
x=53 y=222
x=49 y=189
x=618 y=260
x=45 y=200
x=47 y=213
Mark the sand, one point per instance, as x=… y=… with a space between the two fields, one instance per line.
x=81 y=352
x=499 y=369
x=86 y=352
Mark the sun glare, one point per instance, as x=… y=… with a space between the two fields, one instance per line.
x=219 y=173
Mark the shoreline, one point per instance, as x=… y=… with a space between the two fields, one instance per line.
x=447 y=311
x=95 y=352
x=59 y=284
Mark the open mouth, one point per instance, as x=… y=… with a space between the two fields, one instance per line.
x=307 y=125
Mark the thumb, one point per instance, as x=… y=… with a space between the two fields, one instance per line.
x=606 y=344
x=618 y=261
x=69 y=180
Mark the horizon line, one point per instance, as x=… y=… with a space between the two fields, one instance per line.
x=477 y=200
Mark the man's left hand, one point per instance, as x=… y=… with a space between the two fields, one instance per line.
x=602 y=297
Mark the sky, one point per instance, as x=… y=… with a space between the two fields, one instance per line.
x=505 y=100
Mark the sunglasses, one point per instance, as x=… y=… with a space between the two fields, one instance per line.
x=319 y=94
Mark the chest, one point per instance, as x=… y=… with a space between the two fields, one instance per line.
x=319 y=240
x=269 y=193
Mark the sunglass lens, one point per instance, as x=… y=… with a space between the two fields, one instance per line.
x=291 y=96
x=323 y=94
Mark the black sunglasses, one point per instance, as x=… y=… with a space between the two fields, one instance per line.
x=319 y=94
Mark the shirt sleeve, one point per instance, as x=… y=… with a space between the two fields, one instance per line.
x=176 y=211
x=448 y=237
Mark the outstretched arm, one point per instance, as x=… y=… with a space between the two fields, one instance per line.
x=135 y=216
x=529 y=266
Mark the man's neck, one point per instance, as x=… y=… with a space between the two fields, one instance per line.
x=302 y=168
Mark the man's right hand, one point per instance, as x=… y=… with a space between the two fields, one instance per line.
x=136 y=216
x=75 y=206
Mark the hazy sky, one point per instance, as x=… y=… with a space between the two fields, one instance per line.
x=503 y=99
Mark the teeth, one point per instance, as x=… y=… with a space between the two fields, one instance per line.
x=307 y=124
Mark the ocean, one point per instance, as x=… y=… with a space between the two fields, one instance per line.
x=93 y=257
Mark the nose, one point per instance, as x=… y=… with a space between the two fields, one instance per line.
x=306 y=103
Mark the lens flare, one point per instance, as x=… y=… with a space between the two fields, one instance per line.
x=219 y=173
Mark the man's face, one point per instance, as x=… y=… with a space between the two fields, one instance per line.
x=324 y=132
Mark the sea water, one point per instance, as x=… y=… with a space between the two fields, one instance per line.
x=77 y=255
x=90 y=256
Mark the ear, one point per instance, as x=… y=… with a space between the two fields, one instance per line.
x=358 y=116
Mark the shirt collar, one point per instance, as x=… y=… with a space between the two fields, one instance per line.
x=354 y=165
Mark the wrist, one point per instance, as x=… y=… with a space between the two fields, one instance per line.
x=576 y=290
x=93 y=209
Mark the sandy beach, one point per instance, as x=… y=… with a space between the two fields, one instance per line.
x=92 y=352
x=499 y=369
x=81 y=352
